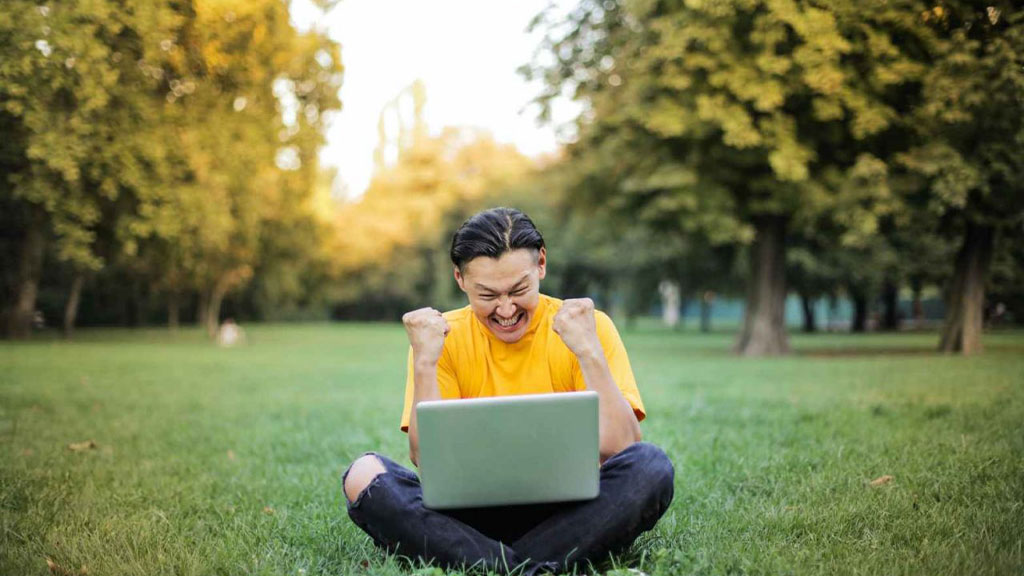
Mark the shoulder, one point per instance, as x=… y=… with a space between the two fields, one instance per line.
x=603 y=318
x=550 y=303
x=458 y=319
x=459 y=340
x=605 y=325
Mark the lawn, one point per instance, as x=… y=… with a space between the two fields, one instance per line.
x=213 y=461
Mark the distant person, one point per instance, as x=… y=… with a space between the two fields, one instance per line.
x=230 y=334
x=511 y=339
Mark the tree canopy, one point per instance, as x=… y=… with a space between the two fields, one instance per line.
x=172 y=138
x=746 y=120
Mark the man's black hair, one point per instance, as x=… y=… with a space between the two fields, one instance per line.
x=492 y=233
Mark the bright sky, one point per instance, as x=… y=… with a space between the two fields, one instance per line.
x=466 y=52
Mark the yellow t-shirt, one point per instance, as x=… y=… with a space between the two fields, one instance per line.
x=474 y=363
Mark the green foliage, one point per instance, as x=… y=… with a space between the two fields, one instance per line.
x=70 y=89
x=715 y=112
x=247 y=106
x=971 y=118
x=184 y=136
x=1006 y=303
x=391 y=248
x=861 y=124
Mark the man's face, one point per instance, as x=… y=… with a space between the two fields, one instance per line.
x=503 y=293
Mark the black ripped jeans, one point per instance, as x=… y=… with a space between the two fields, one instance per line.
x=636 y=489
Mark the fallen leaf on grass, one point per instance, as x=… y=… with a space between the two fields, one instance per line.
x=26 y=452
x=231 y=455
x=881 y=480
x=82 y=446
x=268 y=510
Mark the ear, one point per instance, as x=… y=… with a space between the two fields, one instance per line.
x=459 y=279
x=542 y=263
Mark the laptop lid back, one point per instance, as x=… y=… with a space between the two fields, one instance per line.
x=508 y=450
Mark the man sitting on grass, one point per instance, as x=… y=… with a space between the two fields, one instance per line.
x=512 y=339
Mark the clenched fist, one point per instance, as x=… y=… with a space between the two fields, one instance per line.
x=426 y=329
x=575 y=324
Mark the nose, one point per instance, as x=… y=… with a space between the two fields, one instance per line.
x=505 y=307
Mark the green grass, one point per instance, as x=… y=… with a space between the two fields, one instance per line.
x=212 y=461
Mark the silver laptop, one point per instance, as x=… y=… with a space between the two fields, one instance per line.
x=508 y=450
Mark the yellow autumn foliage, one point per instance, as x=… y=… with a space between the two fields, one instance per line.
x=406 y=205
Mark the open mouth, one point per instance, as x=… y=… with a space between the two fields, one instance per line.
x=508 y=324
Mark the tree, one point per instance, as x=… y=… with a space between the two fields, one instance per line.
x=969 y=163
x=175 y=132
x=246 y=101
x=739 y=118
x=78 y=114
x=1006 y=298
x=391 y=247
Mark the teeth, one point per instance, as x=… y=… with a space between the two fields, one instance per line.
x=510 y=322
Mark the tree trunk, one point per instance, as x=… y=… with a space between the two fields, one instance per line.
x=684 y=304
x=764 y=328
x=891 y=300
x=807 y=304
x=669 y=292
x=225 y=283
x=213 y=311
x=173 y=309
x=30 y=267
x=706 y=300
x=140 y=303
x=71 y=307
x=860 y=312
x=833 y=312
x=130 y=307
x=961 y=331
x=203 y=310
x=917 y=307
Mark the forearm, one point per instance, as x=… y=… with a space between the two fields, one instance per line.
x=425 y=388
x=618 y=425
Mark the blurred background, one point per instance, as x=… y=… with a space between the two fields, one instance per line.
x=761 y=167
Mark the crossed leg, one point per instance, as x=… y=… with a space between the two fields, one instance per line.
x=360 y=474
x=636 y=490
x=385 y=500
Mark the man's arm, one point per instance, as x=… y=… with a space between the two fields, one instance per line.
x=426 y=329
x=576 y=325
x=425 y=388
x=618 y=425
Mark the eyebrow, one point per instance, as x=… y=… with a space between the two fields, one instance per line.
x=514 y=286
